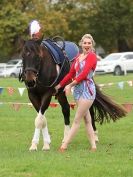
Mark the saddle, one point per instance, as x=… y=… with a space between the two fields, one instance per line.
x=60 y=53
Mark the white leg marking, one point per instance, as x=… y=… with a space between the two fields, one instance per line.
x=66 y=131
x=39 y=122
x=46 y=136
x=96 y=136
x=38 y=125
x=35 y=140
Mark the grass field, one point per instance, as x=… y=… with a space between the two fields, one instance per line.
x=114 y=156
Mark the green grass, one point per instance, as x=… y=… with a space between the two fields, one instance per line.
x=114 y=157
x=119 y=95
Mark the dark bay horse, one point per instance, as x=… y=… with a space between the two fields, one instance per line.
x=40 y=74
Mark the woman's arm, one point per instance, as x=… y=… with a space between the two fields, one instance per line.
x=90 y=64
x=69 y=76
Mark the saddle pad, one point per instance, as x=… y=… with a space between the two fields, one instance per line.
x=53 y=51
x=71 y=50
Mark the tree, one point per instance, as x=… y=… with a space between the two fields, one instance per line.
x=15 y=17
x=109 y=21
x=112 y=24
x=76 y=15
x=13 y=23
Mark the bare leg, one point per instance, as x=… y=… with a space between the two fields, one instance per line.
x=89 y=129
x=83 y=106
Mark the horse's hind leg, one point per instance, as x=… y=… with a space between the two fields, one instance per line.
x=66 y=112
x=40 y=123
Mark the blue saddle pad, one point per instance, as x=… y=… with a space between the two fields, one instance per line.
x=71 y=50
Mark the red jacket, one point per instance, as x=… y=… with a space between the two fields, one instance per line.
x=90 y=64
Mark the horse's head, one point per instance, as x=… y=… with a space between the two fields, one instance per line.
x=31 y=55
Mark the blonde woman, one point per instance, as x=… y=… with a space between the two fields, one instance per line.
x=80 y=77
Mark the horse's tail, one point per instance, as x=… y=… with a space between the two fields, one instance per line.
x=105 y=109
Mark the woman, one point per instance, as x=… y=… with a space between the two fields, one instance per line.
x=80 y=75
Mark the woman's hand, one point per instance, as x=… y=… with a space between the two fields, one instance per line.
x=67 y=89
x=57 y=87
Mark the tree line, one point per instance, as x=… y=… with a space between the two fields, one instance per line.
x=109 y=21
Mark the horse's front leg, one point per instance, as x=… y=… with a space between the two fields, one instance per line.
x=44 y=106
x=41 y=124
x=46 y=136
x=66 y=113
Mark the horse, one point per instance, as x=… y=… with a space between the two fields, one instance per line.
x=41 y=74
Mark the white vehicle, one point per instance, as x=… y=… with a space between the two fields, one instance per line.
x=116 y=63
x=11 y=68
x=2 y=65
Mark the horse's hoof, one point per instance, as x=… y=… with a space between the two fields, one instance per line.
x=33 y=147
x=46 y=147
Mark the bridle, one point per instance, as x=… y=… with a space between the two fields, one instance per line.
x=34 y=70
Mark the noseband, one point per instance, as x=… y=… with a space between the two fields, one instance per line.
x=31 y=69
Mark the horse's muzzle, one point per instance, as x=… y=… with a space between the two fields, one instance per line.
x=30 y=84
x=30 y=78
